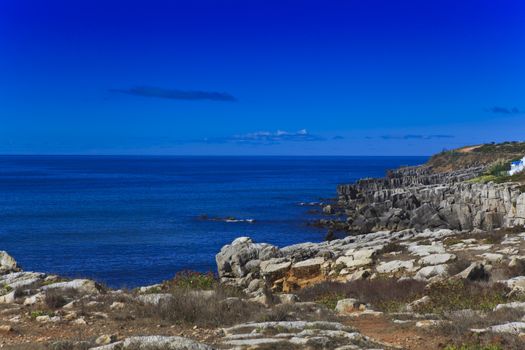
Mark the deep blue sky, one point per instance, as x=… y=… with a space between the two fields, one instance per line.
x=260 y=77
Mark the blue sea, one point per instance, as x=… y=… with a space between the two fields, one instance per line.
x=136 y=220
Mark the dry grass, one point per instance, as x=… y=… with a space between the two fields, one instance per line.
x=461 y=338
x=216 y=310
x=458 y=294
x=56 y=298
x=457 y=266
x=385 y=294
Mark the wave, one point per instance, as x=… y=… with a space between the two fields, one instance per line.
x=310 y=204
x=228 y=219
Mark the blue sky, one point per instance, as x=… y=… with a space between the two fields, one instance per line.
x=260 y=77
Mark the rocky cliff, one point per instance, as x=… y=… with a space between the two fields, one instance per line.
x=418 y=197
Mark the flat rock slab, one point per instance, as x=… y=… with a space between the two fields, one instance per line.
x=296 y=335
x=511 y=327
x=395 y=265
x=517 y=305
x=350 y=262
x=424 y=250
x=436 y=259
x=155 y=342
x=431 y=271
x=82 y=286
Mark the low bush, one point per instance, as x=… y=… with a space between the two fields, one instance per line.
x=37 y=313
x=193 y=280
x=56 y=298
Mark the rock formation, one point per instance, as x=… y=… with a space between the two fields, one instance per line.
x=416 y=197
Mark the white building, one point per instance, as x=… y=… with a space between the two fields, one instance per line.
x=517 y=166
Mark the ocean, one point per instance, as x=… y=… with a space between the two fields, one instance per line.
x=136 y=220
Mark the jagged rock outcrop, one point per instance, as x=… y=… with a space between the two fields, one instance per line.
x=415 y=197
x=300 y=265
x=7 y=263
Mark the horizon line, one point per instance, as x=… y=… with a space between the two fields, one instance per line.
x=196 y=155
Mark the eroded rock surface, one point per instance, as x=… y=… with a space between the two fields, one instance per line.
x=417 y=197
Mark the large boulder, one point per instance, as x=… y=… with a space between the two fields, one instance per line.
x=232 y=260
x=7 y=263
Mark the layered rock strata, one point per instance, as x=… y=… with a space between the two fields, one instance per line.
x=415 y=197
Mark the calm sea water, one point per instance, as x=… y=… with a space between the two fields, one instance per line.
x=131 y=221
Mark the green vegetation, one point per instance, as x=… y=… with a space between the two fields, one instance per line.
x=476 y=155
x=457 y=294
x=498 y=173
x=4 y=289
x=194 y=280
x=505 y=147
x=53 y=281
x=37 y=313
x=499 y=168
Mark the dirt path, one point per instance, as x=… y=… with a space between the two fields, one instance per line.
x=405 y=336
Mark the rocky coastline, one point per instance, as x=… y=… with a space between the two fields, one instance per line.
x=431 y=260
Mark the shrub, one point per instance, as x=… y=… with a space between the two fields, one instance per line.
x=499 y=168
x=194 y=280
x=56 y=298
x=4 y=289
x=36 y=313
x=189 y=307
x=458 y=294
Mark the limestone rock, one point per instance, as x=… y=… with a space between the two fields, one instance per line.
x=274 y=269
x=350 y=262
x=106 y=339
x=233 y=258
x=155 y=342
x=348 y=306
x=308 y=268
x=517 y=305
x=395 y=265
x=428 y=272
x=8 y=298
x=7 y=263
x=155 y=298
x=424 y=250
x=82 y=286
x=511 y=327
x=436 y=259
